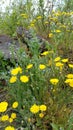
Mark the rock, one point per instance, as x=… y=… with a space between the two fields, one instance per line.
x=6 y=43
x=25 y=36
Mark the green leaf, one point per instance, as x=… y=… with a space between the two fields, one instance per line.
x=54 y=126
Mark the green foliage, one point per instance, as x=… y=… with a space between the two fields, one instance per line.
x=29 y=79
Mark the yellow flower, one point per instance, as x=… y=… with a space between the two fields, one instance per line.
x=65 y=60
x=45 y=53
x=70 y=76
x=13 y=115
x=43 y=107
x=15 y=105
x=19 y=69
x=10 y=120
x=9 y=128
x=59 y=64
x=54 y=81
x=24 y=79
x=50 y=35
x=41 y=115
x=46 y=22
x=4 y=118
x=3 y=106
x=71 y=83
x=58 y=31
x=57 y=59
x=13 y=79
x=39 y=17
x=71 y=65
x=42 y=66
x=29 y=119
x=24 y=15
x=34 y=109
x=16 y=71
x=68 y=80
x=29 y=66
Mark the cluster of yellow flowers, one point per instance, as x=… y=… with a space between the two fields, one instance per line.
x=57 y=61
x=14 y=73
x=69 y=80
x=38 y=108
x=5 y=117
x=23 y=78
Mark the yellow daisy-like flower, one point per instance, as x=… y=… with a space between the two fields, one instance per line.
x=43 y=107
x=29 y=66
x=54 y=81
x=24 y=15
x=4 y=117
x=34 y=109
x=39 y=17
x=19 y=69
x=3 y=106
x=15 y=105
x=41 y=115
x=70 y=65
x=42 y=66
x=50 y=35
x=70 y=76
x=46 y=22
x=59 y=64
x=57 y=59
x=68 y=80
x=9 y=128
x=16 y=71
x=10 y=120
x=24 y=78
x=13 y=79
x=71 y=83
x=57 y=31
x=13 y=115
x=65 y=60
x=45 y=53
